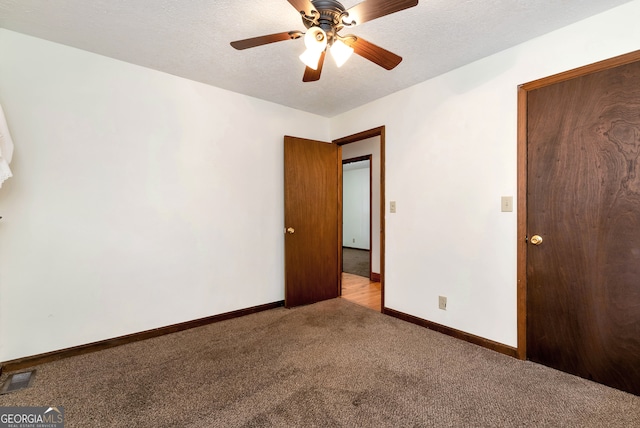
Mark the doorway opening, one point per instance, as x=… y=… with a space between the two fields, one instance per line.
x=356 y=216
x=362 y=214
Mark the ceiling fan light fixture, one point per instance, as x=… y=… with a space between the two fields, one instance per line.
x=310 y=58
x=315 y=39
x=340 y=52
x=316 y=42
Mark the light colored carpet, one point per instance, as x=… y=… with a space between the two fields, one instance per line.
x=333 y=363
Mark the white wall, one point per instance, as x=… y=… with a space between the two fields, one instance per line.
x=450 y=156
x=138 y=200
x=355 y=207
x=370 y=146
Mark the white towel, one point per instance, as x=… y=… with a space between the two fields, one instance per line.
x=6 y=149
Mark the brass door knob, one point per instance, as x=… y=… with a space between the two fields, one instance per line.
x=536 y=239
x=291 y=230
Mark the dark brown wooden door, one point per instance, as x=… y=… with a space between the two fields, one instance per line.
x=311 y=207
x=583 y=280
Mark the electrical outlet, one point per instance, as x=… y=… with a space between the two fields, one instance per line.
x=442 y=303
x=354 y=240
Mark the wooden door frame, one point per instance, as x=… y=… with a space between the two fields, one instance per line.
x=360 y=159
x=371 y=133
x=523 y=91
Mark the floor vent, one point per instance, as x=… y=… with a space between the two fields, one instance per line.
x=17 y=381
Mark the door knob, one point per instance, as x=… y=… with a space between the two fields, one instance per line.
x=536 y=239
x=291 y=230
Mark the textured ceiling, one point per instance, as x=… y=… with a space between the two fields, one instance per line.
x=190 y=38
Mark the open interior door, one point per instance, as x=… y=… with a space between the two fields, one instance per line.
x=312 y=174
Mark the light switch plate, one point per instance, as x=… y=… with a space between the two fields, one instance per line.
x=442 y=302
x=507 y=204
x=392 y=206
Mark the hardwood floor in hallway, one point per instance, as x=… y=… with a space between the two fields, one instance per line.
x=362 y=291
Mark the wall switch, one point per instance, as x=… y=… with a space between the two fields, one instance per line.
x=392 y=206
x=507 y=204
x=442 y=303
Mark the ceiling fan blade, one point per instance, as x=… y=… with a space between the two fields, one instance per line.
x=303 y=6
x=372 y=52
x=264 y=40
x=372 y=9
x=311 y=75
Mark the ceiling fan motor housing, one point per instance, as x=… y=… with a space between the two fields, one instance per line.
x=330 y=18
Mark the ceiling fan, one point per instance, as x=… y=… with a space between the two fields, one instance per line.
x=323 y=20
